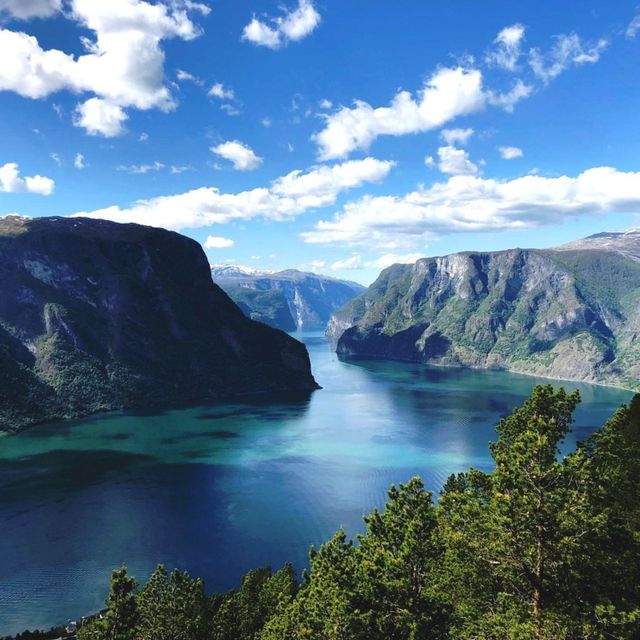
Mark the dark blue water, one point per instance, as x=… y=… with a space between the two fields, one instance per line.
x=220 y=490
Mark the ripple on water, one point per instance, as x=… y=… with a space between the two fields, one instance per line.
x=221 y=489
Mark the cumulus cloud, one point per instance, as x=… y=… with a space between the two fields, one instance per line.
x=456 y=136
x=507 y=49
x=453 y=161
x=474 y=204
x=292 y=26
x=27 y=9
x=217 y=242
x=218 y=90
x=510 y=153
x=100 y=118
x=12 y=182
x=449 y=93
x=285 y=198
x=79 y=161
x=123 y=66
x=567 y=51
x=240 y=155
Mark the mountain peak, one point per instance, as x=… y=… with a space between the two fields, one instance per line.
x=227 y=270
x=626 y=242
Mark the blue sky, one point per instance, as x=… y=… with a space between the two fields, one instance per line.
x=320 y=135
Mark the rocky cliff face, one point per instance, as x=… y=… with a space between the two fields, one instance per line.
x=95 y=316
x=311 y=298
x=268 y=306
x=572 y=313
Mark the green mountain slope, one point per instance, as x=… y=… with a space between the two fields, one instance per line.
x=571 y=313
x=95 y=316
x=269 y=306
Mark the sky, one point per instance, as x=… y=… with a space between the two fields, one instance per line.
x=334 y=136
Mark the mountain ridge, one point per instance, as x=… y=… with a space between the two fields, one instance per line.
x=569 y=313
x=311 y=298
x=96 y=315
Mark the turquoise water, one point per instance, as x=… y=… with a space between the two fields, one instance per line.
x=220 y=490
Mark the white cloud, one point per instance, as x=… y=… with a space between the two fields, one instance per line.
x=325 y=104
x=180 y=169
x=508 y=100
x=449 y=93
x=12 y=182
x=266 y=122
x=453 y=161
x=456 y=136
x=510 y=153
x=123 y=66
x=185 y=76
x=567 y=50
x=218 y=90
x=291 y=27
x=508 y=47
x=474 y=204
x=353 y=262
x=241 y=155
x=141 y=168
x=286 y=198
x=230 y=109
x=317 y=188
x=216 y=242
x=56 y=158
x=143 y=137
x=79 y=162
x=633 y=28
x=26 y=9
x=99 y=117
x=388 y=259
x=316 y=265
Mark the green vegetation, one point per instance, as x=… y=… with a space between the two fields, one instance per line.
x=98 y=316
x=268 y=306
x=545 y=547
x=570 y=314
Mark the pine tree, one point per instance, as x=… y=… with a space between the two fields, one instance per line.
x=518 y=527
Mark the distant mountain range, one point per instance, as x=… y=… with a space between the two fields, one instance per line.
x=286 y=300
x=96 y=315
x=572 y=312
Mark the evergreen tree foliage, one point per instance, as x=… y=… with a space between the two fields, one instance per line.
x=545 y=547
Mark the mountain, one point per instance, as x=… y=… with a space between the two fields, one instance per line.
x=571 y=312
x=268 y=306
x=96 y=315
x=311 y=298
x=626 y=243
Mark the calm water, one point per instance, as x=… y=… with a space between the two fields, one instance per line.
x=220 y=490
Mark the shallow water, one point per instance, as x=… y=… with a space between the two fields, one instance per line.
x=220 y=490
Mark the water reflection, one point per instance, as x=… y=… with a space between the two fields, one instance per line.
x=219 y=490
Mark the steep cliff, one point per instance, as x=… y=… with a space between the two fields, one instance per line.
x=311 y=298
x=96 y=315
x=268 y=306
x=571 y=313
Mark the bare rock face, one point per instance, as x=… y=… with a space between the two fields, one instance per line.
x=311 y=298
x=96 y=315
x=571 y=313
